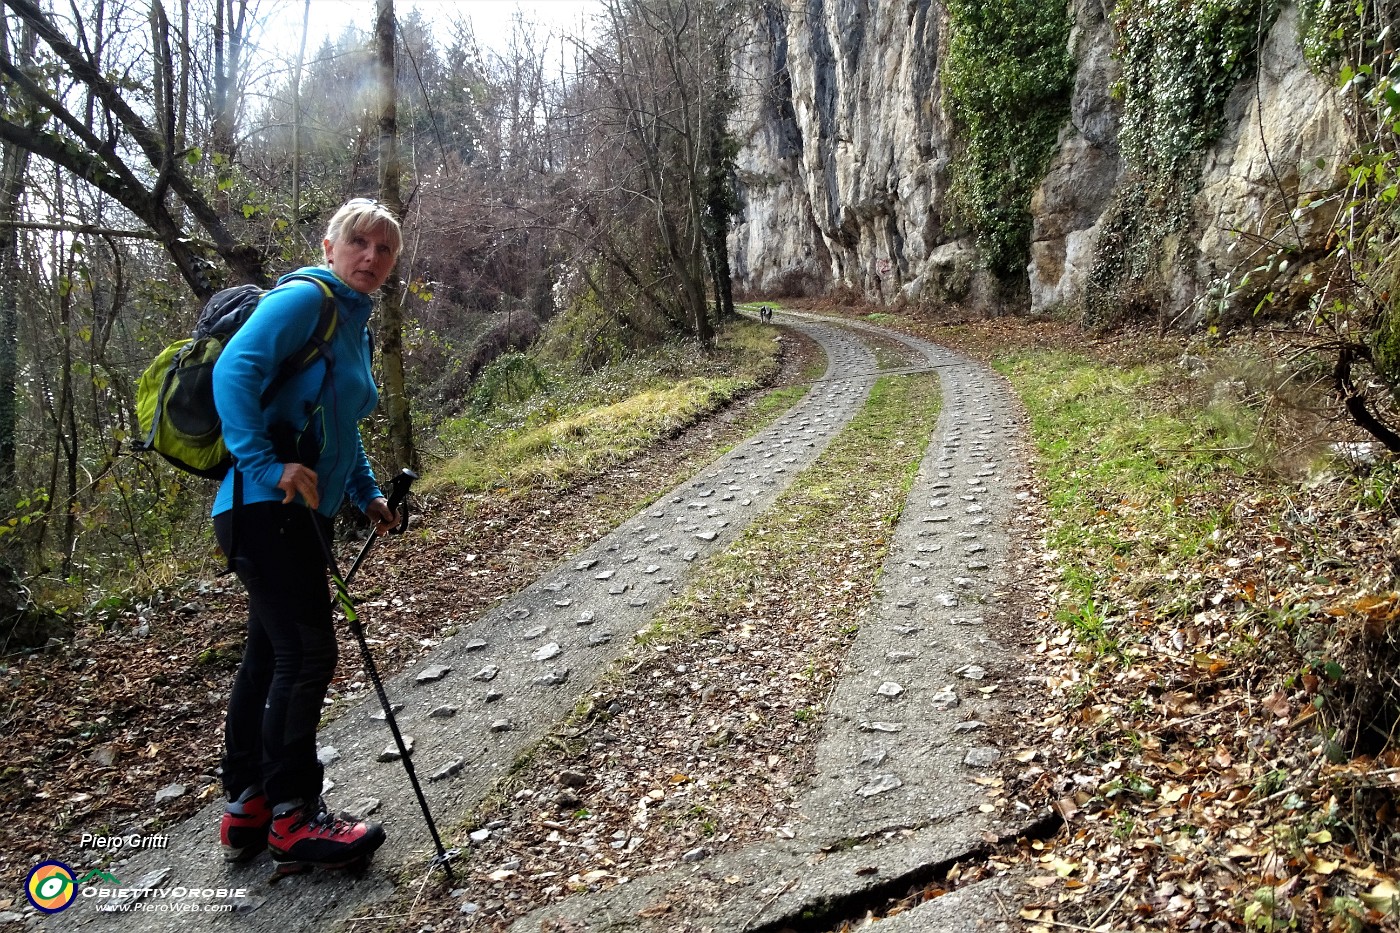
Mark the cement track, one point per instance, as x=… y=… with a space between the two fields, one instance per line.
x=894 y=785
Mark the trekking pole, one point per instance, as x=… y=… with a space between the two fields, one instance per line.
x=347 y=607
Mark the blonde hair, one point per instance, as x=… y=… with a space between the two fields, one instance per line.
x=361 y=214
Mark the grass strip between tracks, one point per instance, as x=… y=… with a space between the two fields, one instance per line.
x=703 y=733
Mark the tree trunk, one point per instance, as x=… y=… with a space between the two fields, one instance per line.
x=88 y=156
x=186 y=66
x=14 y=163
x=1354 y=399
x=228 y=57
x=296 y=117
x=391 y=321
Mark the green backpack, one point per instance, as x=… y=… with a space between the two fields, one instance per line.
x=175 y=396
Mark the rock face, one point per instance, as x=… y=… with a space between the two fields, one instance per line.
x=1082 y=177
x=844 y=173
x=1279 y=129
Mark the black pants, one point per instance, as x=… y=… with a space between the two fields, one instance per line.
x=290 y=655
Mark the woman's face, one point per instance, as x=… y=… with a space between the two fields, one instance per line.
x=362 y=258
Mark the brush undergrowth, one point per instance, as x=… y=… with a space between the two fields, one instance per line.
x=574 y=425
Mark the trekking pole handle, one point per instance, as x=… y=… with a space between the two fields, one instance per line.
x=398 y=498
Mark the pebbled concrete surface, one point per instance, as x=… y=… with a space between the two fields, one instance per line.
x=510 y=678
x=907 y=730
x=920 y=679
x=895 y=787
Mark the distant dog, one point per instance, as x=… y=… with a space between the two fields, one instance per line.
x=765 y=313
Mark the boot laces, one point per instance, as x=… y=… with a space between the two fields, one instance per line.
x=328 y=823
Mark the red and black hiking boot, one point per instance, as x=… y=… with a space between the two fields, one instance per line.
x=243 y=829
x=308 y=837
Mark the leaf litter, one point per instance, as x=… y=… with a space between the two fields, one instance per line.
x=702 y=737
x=1233 y=769
x=94 y=727
x=1222 y=757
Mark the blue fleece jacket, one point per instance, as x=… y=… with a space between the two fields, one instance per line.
x=329 y=407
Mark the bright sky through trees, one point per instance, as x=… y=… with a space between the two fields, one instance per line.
x=491 y=19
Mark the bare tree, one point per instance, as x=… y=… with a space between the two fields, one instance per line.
x=230 y=35
x=663 y=80
x=93 y=147
x=296 y=114
x=14 y=163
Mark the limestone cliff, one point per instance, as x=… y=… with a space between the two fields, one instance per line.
x=845 y=171
x=844 y=175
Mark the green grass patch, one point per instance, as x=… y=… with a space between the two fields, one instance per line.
x=1134 y=483
x=575 y=425
x=780 y=400
x=826 y=536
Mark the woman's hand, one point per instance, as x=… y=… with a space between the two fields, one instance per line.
x=379 y=513
x=299 y=480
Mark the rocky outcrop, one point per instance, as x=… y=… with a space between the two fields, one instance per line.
x=777 y=246
x=845 y=173
x=1080 y=183
x=1286 y=135
x=844 y=176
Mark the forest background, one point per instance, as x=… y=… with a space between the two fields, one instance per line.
x=152 y=154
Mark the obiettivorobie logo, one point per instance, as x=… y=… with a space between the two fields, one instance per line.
x=52 y=887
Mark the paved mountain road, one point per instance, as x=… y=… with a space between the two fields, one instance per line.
x=901 y=747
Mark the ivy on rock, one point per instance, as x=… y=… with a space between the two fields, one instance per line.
x=1180 y=61
x=1009 y=73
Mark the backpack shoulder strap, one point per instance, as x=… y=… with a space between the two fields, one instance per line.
x=317 y=347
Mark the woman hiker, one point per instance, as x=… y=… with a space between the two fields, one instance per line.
x=295 y=462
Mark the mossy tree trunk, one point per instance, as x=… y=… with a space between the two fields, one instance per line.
x=391 y=321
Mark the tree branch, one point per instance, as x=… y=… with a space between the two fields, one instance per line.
x=1355 y=399
x=242 y=259
x=91 y=168
x=86 y=229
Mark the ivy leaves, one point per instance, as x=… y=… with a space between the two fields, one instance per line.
x=1008 y=74
x=1180 y=62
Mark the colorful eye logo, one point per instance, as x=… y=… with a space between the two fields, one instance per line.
x=51 y=887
